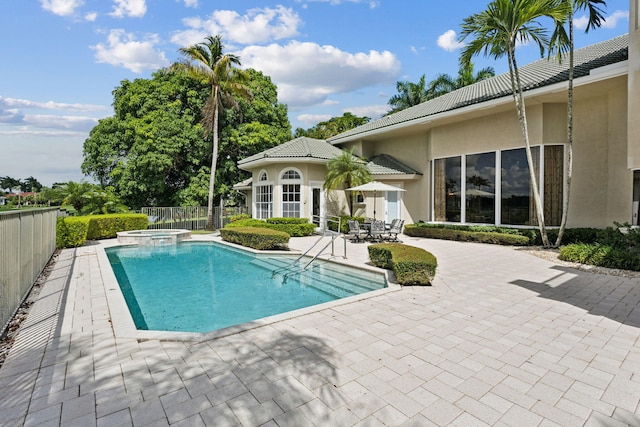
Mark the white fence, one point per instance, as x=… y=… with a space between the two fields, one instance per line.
x=188 y=217
x=27 y=241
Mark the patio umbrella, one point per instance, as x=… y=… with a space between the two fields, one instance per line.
x=375 y=186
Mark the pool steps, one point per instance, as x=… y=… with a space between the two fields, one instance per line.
x=315 y=276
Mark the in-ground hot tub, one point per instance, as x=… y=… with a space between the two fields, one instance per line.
x=153 y=237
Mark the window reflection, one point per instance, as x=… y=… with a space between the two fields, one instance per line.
x=481 y=188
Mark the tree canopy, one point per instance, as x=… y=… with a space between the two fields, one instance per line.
x=153 y=150
x=332 y=127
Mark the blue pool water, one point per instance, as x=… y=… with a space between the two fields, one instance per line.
x=203 y=286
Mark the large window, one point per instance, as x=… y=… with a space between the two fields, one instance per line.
x=291 y=194
x=516 y=189
x=447 y=194
x=481 y=188
x=264 y=197
x=511 y=194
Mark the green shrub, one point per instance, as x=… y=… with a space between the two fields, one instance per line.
x=71 y=232
x=106 y=226
x=234 y=218
x=601 y=255
x=294 y=227
x=255 y=237
x=463 y=235
x=287 y=220
x=344 y=227
x=75 y=231
x=411 y=265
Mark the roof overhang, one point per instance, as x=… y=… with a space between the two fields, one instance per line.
x=597 y=74
x=266 y=161
x=397 y=177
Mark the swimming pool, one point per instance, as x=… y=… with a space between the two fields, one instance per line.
x=205 y=286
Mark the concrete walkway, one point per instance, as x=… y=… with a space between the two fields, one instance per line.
x=501 y=338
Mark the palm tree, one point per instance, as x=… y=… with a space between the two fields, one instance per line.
x=444 y=83
x=409 y=94
x=345 y=171
x=207 y=61
x=496 y=32
x=561 y=42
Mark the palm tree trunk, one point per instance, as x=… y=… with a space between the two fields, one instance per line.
x=214 y=161
x=567 y=187
x=516 y=86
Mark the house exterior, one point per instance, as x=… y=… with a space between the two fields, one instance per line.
x=460 y=158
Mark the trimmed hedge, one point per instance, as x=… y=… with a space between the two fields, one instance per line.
x=411 y=265
x=344 y=227
x=418 y=230
x=255 y=237
x=571 y=235
x=600 y=255
x=294 y=227
x=71 y=232
x=74 y=231
x=106 y=226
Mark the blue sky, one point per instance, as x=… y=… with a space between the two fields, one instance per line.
x=61 y=59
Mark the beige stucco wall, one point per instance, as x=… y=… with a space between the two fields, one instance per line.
x=602 y=185
x=313 y=176
x=633 y=141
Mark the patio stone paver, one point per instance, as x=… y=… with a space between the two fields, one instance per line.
x=501 y=338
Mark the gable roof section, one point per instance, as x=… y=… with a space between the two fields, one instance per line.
x=538 y=74
x=302 y=147
x=384 y=164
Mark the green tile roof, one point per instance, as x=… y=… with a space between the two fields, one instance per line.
x=538 y=74
x=384 y=164
x=302 y=147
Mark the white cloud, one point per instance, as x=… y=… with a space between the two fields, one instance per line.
x=91 y=16
x=27 y=122
x=307 y=73
x=131 y=8
x=49 y=105
x=256 y=26
x=311 y=120
x=191 y=3
x=372 y=3
x=449 y=42
x=123 y=50
x=74 y=123
x=61 y=7
x=371 y=111
x=610 y=21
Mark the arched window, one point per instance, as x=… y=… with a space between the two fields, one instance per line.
x=264 y=197
x=291 y=182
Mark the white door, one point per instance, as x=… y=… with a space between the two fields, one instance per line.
x=393 y=206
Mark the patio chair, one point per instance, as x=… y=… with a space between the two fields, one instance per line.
x=394 y=230
x=378 y=230
x=357 y=234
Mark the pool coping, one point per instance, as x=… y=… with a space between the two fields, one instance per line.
x=124 y=327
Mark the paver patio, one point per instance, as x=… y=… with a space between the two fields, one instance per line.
x=501 y=338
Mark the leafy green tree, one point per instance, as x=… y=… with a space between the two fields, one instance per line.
x=409 y=94
x=332 y=127
x=9 y=183
x=259 y=124
x=496 y=32
x=153 y=145
x=30 y=184
x=208 y=62
x=102 y=201
x=444 y=83
x=345 y=171
x=561 y=42
x=72 y=194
